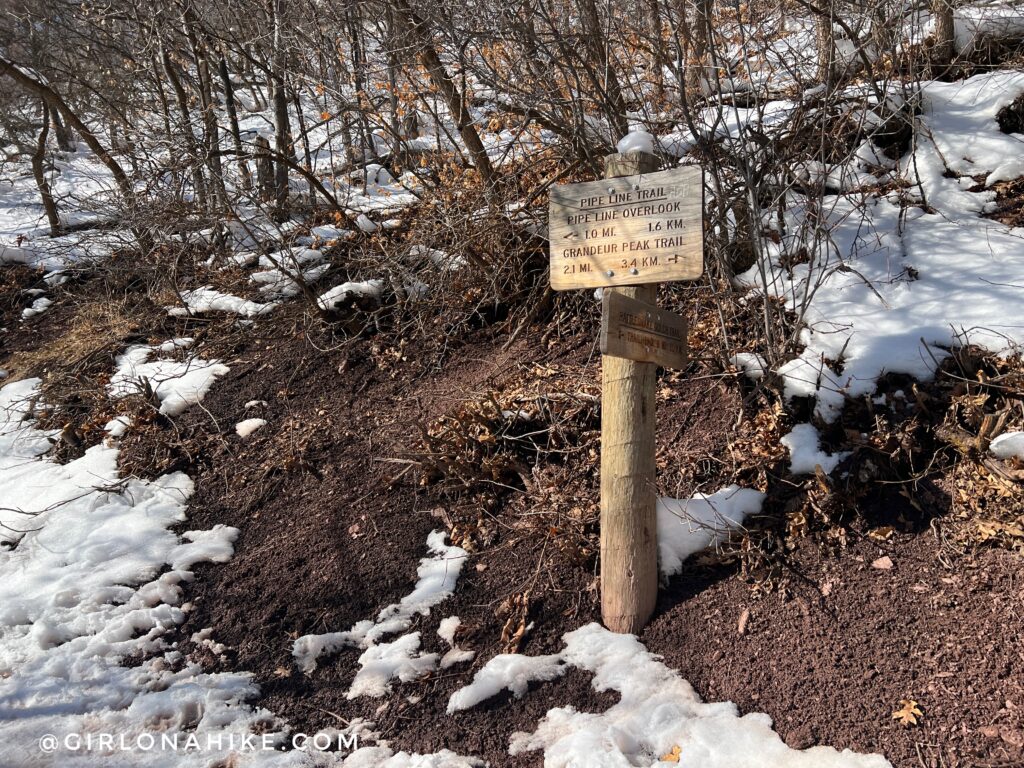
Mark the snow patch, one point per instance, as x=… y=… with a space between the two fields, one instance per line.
x=39 y=306
x=752 y=364
x=246 y=427
x=96 y=578
x=1008 y=446
x=446 y=631
x=117 y=426
x=657 y=712
x=506 y=671
x=176 y=384
x=437 y=576
x=330 y=299
x=805 y=454
x=686 y=526
x=383 y=662
x=206 y=299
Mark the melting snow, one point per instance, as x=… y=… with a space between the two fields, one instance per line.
x=39 y=306
x=96 y=577
x=330 y=299
x=437 y=576
x=896 y=286
x=1008 y=446
x=176 y=384
x=248 y=426
x=206 y=299
x=658 y=711
x=686 y=526
x=805 y=452
x=446 y=631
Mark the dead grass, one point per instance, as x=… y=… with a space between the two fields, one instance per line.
x=94 y=329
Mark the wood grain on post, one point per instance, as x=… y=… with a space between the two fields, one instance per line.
x=629 y=541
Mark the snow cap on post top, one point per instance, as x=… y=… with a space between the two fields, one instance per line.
x=636 y=141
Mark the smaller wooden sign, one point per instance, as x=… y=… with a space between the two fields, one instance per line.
x=640 y=331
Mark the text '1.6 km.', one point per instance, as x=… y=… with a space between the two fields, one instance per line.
x=628 y=231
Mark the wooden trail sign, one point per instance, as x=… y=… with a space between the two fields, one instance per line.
x=630 y=230
x=634 y=229
x=640 y=331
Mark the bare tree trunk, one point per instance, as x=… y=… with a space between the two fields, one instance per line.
x=60 y=132
x=198 y=179
x=359 y=83
x=942 y=10
x=696 y=38
x=55 y=100
x=282 y=130
x=826 y=44
x=597 y=46
x=304 y=137
x=658 y=53
x=39 y=171
x=453 y=97
x=211 y=130
x=264 y=169
x=236 y=134
x=282 y=146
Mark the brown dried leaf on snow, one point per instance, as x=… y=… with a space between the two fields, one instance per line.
x=673 y=756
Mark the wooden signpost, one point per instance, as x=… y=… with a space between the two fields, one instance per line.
x=636 y=228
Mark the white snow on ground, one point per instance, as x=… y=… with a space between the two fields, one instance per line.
x=39 y=306
x=446 y=631
x=366 y=224
x=383 y=662
x=206 y=299
x=329 y=232
x=246 y=427
x=658 y=711
x=899 y=286
x=437 y=576
x=506 y=671
x=973 y=24
x=83 y=185
x=383 y=757
x=287 y=269
x=95 y=577
x=1008 y=446
x=440 y=259
x=752 y=365
x=176 y=384
x=805 y=454
x=686 y=526
x=117 y=426
x=329 y=299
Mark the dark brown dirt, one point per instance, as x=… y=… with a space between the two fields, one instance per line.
x=332 y=532
x=333 y=525
x=833 y=652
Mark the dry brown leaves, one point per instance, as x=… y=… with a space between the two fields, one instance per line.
x=532 y=444
x=986 y=400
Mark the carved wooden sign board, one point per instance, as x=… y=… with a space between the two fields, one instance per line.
x=639 y=331
x=629 y=230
